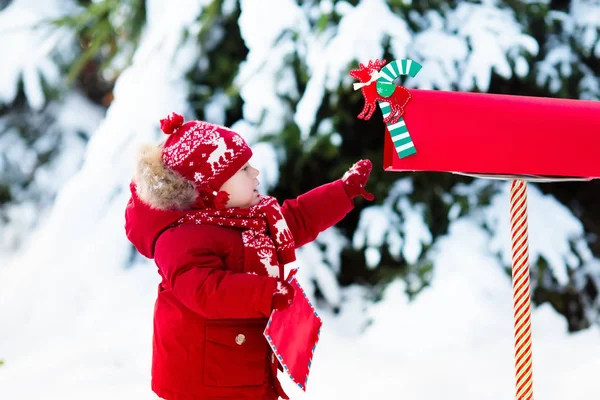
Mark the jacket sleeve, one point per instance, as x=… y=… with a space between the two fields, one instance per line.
x=316 y=210
x=198 y=278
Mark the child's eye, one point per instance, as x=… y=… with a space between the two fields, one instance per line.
x=245 y=168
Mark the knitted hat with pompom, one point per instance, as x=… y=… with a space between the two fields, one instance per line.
x=204 y=153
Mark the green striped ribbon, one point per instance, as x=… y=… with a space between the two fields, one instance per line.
x=399 y=67
x=398 y=131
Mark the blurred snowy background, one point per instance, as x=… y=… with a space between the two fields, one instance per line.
x=414 y=289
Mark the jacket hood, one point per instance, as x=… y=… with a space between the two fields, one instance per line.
x=159 y=197
x=144 y=224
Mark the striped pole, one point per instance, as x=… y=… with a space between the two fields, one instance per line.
x=522 y=301
x=385 y=85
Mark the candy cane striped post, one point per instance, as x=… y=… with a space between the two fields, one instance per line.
x=398 y=131
x=522 y=301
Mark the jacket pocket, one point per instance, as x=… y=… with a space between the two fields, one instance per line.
x=235 y=355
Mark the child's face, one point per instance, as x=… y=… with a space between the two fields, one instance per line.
x=241 y=187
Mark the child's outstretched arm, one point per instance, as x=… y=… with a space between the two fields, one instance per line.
x=316 y=210
x=190 y=258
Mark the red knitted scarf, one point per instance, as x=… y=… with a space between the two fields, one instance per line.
x=266 y=236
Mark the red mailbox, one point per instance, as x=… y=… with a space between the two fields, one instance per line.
x=488 y=134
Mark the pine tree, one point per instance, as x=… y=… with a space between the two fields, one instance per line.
x=41 y=144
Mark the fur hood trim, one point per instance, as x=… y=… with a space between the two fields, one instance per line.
x=159 y=186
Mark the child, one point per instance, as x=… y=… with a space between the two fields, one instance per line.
x=220 y=248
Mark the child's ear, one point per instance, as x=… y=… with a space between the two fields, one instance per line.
x=159 y=186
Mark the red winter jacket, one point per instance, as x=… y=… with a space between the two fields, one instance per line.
x=209 y=316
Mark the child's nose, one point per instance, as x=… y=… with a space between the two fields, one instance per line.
x=256 y=172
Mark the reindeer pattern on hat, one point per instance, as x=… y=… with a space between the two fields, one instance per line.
x=206 y=154
x=201 y=134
